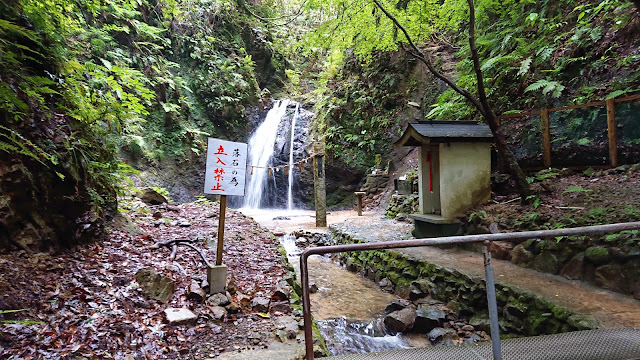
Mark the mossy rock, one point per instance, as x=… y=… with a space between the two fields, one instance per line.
x=546 y=262
x=597 y=254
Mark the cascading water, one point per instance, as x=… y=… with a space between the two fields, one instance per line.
x=261 y=149
x=293 y=132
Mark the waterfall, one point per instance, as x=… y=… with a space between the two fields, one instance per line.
x=261 y=149
x=293 y=132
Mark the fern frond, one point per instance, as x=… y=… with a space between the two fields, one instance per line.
x=525 y=65
x=537 y=85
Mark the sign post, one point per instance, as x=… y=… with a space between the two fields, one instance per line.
x=225 y=175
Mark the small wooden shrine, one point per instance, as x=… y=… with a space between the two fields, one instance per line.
x=454 y=172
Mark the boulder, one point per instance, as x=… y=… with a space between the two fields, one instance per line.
x=582 y=322
x=218 y=299
x=521 y=256
x=260 y=304
x=280 y=306
x=154 y=285
x=396 y=305
x=401 y=320
x=574 y=269
x=280 y=294
x=443 y=337
x=289 y=325
x=180 y=316
x=597 y=255
x=196 y=292
x=610 y=277
x=546 y=262
x=152 y=197
x=218 y=312
x=428 y=318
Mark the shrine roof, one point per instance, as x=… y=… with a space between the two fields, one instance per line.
x=433 y=132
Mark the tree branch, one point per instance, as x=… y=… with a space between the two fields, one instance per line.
x=293 y=16
x=482 y=95
x=427 y=61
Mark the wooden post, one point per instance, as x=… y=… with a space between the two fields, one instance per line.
x=223 y=210
x=319 y=185
x=546 y=137
x=613 y=137
x=359 y=195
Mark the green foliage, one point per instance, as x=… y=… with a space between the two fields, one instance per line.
x=575 y=189
x=148 y=78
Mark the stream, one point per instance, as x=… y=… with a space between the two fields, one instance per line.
x=347 y=307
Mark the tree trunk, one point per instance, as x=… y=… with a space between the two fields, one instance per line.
x=522 y=185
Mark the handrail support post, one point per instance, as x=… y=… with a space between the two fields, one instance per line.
x=492 y=302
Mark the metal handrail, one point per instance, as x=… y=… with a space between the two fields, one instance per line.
x=484 y=238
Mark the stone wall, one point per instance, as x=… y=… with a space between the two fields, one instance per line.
x=520 y=312
x=611 y=262
x=400 y=206
x=374 y=187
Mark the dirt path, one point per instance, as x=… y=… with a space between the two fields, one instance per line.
x=609 y=309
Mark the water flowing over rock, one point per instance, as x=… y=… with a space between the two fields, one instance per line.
x=279 y=141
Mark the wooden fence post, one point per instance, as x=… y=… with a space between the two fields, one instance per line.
x=319 y=185
x=611 y=129
x=546 y=137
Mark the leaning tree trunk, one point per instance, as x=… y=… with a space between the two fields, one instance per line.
x=522 y=185
x=487 y=113
x=481 y=103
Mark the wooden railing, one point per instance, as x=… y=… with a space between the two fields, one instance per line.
x=546 y=128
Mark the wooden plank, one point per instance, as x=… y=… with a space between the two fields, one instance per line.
x=570 y=107
x=546 y=137
x=611 y=129
x=627 y=98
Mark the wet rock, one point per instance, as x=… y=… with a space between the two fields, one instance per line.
x=302 y=242
x=443 y=337
x=280 y=294
x=155 y=285
x=396 y=305
x=218 y=299
x=152 y=197
x=480 y=321
x=180 y=316
x=401 y=320
x=157 y=215
x=196 y=292
x=582 y=322
x=473 y=338
x=597 y=255
x=260 y=304
x=428 y=318
x=420 y=289
x=546 y=262
x=610 y=277
x=575 y=268
x=521 y=256
x=313 y=288
x=218 y=312
x=280 y=306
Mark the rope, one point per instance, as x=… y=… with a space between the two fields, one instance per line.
x=286 y=166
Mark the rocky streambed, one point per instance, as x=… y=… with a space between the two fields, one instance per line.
x=358 y=315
